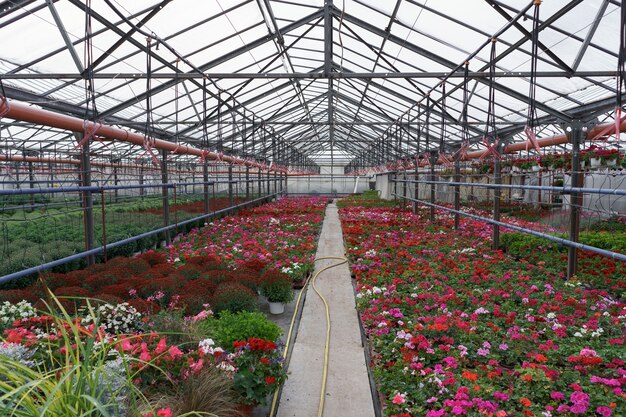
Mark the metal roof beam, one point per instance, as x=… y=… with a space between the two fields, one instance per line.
x=592 y=31
x=156 y=9
x=68 y=43
x=217 y=61
x=558 y=61
x=442 y=61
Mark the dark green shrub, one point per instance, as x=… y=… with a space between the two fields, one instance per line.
x=234 y=297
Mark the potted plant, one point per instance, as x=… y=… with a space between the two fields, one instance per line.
x=277 y=288
x=259 y=370
x=590 y=156
x=608 y=157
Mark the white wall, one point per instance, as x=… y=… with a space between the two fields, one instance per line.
x=325 y=184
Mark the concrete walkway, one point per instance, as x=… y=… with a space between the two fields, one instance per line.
x=347 y=390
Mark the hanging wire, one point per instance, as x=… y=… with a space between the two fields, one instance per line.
x=220 y=144
x=442 y=156
x=90 y=93
x=149 y=130
x=465 y=136
x=532 y=104
x=490 y=139
x=621 y=60
x=244 y=126
x=176 y=101
x=205 y=134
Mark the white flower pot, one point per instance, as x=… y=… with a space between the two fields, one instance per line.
x=515 y=168
x=277 y=308
x=536 y=168
x=611 y=162
x=594 y=162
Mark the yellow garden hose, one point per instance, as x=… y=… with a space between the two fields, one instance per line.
x=320 y=409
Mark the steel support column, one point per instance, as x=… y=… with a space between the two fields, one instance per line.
x=497 y=179
x=31 y=184
x=115 y=182
x=86 y=197
x=457 y=190
x=205 y=186
x=416 y=186
x=247 y=183
x=404 y=188
x=142 y=191
x=433 y=161
x=577 y=131
x=165 y=195
x=230 y=185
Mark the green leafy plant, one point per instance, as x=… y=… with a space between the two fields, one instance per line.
x=277 y=287
x=260 y=371
x=243 y=325
x=78 y=372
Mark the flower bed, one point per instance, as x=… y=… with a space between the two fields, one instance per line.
x=456 y=328
x=148 y=335
x=86 y=365
x=278 y=236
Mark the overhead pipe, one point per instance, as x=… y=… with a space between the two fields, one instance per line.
x=45 y=160
x=22 y=112
x=559 y=139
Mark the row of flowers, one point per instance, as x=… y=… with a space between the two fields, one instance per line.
x=131 y=373
x=127 y=333
x=281 y=236
x=456 y=328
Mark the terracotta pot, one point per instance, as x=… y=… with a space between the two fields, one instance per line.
x=245 y=410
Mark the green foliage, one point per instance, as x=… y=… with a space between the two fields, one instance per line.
x=240 y=326
x=260 y=371
x=517 y=244
x=82 y=380
x=234 y=297
x=277 y=287
x=612 y=224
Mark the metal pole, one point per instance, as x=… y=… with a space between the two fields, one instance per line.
x=115 y=182
x=497 y=179
x=576 y=199
x=247 y=183
x=268 y=183
x=230 y=185
x=205 y=186
x=433 y=160
x=31 y=179
x=457 y=191
x=394 y=176
x=275 y=182
x=142 y=191
x=404 y=189
x=87 y=198
x=164 y=193
x=539 y=180
x=416 y=185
